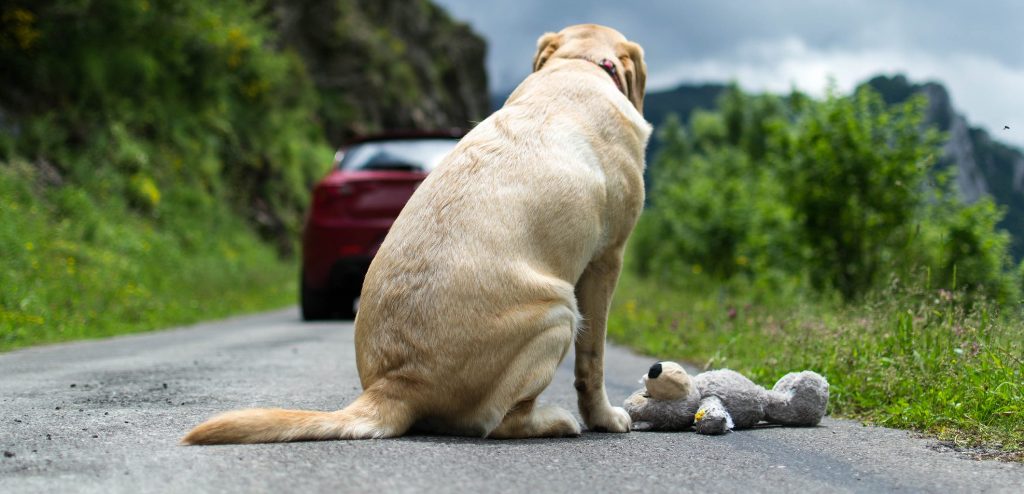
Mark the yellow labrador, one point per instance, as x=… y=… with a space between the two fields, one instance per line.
x=507 y=254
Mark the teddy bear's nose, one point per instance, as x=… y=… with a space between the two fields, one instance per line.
x=655 y=371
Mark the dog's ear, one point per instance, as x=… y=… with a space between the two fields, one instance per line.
x=632 y=58
x=546 y=45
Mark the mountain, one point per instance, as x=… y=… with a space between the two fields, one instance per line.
x=984 y=165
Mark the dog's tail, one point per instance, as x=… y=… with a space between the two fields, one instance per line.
x=369 y=417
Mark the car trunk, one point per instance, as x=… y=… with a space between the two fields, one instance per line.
x=370 y=195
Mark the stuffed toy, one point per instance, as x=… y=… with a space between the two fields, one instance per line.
x=717 y=401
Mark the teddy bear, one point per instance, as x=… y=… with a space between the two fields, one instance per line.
x=717 y=401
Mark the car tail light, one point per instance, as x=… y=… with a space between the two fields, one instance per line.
x=332 y=200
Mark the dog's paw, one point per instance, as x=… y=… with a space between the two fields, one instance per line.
x=611 y=419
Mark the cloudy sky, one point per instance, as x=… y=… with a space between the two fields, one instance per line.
x=975 y=48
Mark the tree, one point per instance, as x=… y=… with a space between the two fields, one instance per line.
x=855 y=172
x=715 y=210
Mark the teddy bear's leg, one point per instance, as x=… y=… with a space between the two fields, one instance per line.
x=593 y=294
x=513 y=399
x=712 y=417
x=799 y=398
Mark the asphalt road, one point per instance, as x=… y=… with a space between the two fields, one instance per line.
x=106 y=416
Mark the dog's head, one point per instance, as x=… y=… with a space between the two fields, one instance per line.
x=598 y=43
x=667 y=381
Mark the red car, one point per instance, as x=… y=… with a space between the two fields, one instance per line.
x=353 y=208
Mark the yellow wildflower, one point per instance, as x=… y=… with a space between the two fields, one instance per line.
x=21 y=21
x=631 y=308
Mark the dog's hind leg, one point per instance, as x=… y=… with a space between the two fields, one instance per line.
x=526 y=378
x=530 y=420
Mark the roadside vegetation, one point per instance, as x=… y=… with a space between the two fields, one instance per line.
x=154 y=162
x=156 y=156
x=79 y=266
x=790 y=233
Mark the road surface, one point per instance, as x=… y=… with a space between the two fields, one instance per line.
x=106 y=416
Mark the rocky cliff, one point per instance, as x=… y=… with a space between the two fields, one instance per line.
x=983 y=165
x=386 y=64
x=231 y=103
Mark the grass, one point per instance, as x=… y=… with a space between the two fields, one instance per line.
x=914 y=359
x=77 y=264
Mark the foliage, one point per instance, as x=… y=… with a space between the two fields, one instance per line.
x=130 y=98
x=854 y=170
x=968 y=252
x=137 y=138
x=831 y=195
x=79 y=266
x=991 y=164
x=149 y=148
x=715 y=211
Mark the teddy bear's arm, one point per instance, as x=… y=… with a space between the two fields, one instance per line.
x=660 y=415
x=637 y=405
x=712 y=417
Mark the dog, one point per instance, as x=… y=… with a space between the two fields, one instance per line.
x=506 y=255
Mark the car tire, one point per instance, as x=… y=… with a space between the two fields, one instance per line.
x=315 y=304
x=345 y=305
x=320 y=305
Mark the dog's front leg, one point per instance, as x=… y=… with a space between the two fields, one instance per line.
x=594 y=294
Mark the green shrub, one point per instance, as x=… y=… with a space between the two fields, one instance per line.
x=855 y=172
x=715 y=212
x=831 y=196
x=133 y=98
x=138 y=139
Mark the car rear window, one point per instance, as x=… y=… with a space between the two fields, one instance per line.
x=404 y=155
